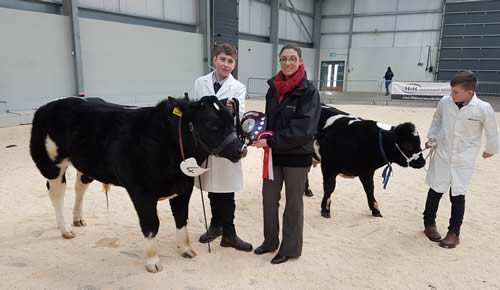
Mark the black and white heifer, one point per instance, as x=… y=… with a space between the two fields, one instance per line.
x=352 y=147
x=139 y=149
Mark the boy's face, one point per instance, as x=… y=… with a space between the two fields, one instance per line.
x=224 y=65
x=461 y=95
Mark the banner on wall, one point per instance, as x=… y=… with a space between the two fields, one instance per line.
x=424 y=91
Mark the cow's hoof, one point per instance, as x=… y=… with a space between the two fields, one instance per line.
x=79 y=223
x=67 y=232
x=308 y=193
x=154 y=268
x=68 y=235
x=326 y=214
x=189 y=254
x=376 y=214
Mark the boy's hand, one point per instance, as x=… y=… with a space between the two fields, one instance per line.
x=487 y=155
x=230 y=106
x=430 y=143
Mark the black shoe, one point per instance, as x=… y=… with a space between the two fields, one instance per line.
x=261 y=250
x=234 y=242
x=278 y=259
x=213 y=233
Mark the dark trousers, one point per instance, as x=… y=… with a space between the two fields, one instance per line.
x=457 y=210
x=293 y=216
x=223 y=206
x=387 y=83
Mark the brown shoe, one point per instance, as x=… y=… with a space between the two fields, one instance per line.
x=450 y=241
x=432 y=233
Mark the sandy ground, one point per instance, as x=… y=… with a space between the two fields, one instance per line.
x=350 y=250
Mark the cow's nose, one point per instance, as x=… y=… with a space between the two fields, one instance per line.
x=419 y=163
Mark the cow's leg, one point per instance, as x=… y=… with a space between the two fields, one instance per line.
x=367 y=181
x=180 y=207
x=81 y=184
x=328 y=188
x=145 y=205
x=57 y=189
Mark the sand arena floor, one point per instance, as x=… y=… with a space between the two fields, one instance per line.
x=350 y=250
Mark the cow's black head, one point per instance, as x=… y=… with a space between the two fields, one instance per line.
x=213 y=128
x=408 y=146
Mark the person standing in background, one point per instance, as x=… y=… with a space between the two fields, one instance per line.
x=388 y=79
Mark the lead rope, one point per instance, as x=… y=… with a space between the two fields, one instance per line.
x=199 y=180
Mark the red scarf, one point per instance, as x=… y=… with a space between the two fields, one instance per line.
x=284 y=86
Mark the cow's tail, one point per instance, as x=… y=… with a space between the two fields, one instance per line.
x=38 y=149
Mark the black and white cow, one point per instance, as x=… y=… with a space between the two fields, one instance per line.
x=139 y=149
x=352 y=147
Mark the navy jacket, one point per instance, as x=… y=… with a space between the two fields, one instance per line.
x=294 y=123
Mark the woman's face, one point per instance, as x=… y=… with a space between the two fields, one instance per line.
x=290 y=62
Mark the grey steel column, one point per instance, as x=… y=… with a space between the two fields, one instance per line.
x=317 y=38
x=70 y=8
x=204 y=28
x=349 y=45
x=274 y=37
x=443 y=14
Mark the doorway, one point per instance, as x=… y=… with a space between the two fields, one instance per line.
x=332 y=76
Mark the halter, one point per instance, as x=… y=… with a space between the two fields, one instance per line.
x=413 y=157
x=197 y=140
x=386 y=173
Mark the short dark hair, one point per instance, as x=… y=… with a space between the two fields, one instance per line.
x=466 y=79
x=226 y=48
x=291 y=46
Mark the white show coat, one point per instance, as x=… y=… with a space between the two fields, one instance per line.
x=458 y=136
x=224 y=175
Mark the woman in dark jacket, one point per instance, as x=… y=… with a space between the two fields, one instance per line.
x=292 y=109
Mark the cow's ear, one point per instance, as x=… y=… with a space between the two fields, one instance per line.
x=180 y=106
x=173 y=101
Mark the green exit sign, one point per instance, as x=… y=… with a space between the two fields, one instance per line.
x=333 y=54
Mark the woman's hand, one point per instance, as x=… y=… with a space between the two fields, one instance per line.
x=260 y=143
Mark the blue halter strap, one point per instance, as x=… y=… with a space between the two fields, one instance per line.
x=387 y=172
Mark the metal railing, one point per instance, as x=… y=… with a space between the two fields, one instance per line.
x=372 y=92
x=259 y=86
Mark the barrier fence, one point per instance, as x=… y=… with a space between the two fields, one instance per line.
x=372 y=92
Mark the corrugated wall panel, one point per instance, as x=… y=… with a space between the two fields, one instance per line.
x=470 y=53
x=471 y=41
x=478 y=29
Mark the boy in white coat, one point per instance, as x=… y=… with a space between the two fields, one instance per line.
x=224 y=177
x=456 y=131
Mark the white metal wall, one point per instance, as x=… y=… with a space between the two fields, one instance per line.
x=254 y=19
x=35 y=54
x=376 y=38
x=254 y=60
x=184 y=11
x=121 y=62
x=129 y=61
